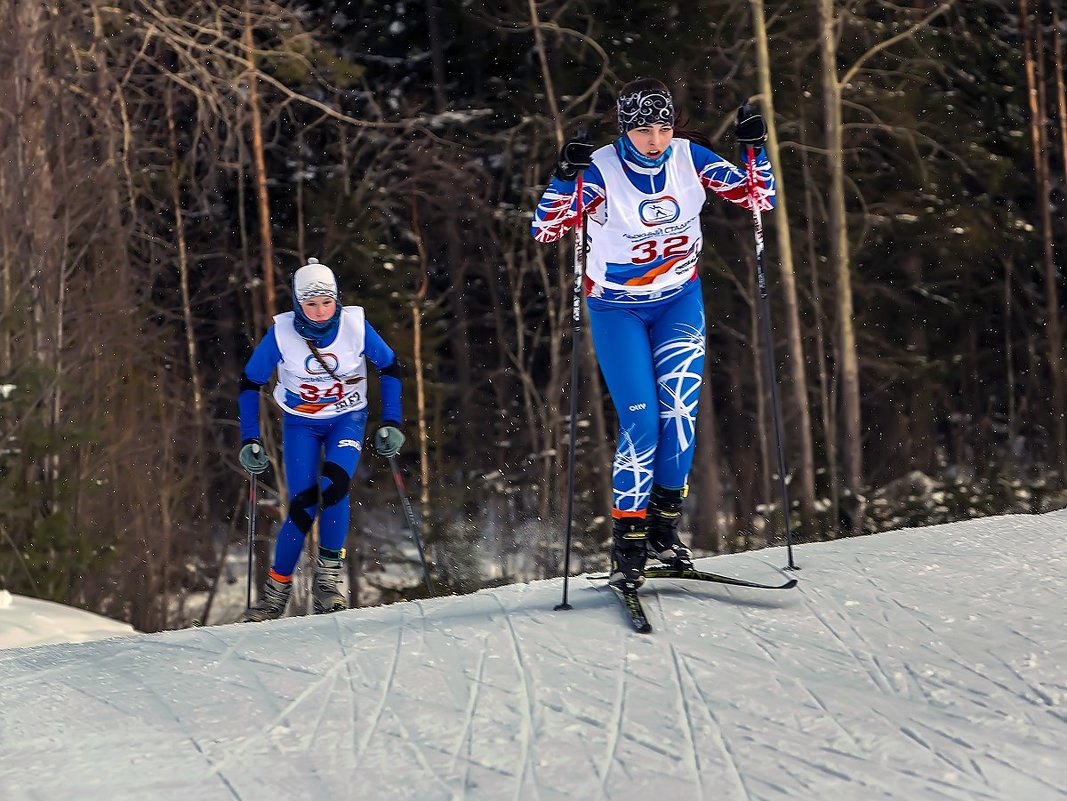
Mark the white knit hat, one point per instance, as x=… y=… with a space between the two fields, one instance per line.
x=314 y=280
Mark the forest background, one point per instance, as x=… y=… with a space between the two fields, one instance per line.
x=166 y=165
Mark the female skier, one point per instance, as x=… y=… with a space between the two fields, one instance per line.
x=644 y=193
x=320 y=350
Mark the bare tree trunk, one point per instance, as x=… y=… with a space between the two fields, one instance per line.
x=829 y=420
x=553 y=455
x=1061 y=90
x=1035 y=61
x=789 y=282
x=6 y=299
x=546 y=73
x=183 y=262
x=420 y=391
x=437 y=58
x=1009 y=355
x=259 y=162
x=848 y=368
x=767 y=462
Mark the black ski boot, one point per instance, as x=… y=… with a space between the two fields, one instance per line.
x=664 y=512
x=629 y=553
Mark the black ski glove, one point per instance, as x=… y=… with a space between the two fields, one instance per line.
x=749 y=128
x=576 y=155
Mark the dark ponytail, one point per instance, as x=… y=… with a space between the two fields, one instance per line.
x=696 y=137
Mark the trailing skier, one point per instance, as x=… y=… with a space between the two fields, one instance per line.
x=643 y=193
x=320 y=350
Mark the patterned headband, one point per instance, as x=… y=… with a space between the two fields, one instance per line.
x=645 y=108
x=316 y=289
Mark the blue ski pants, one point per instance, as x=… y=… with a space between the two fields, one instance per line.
x=652 y=358
x=304 y=441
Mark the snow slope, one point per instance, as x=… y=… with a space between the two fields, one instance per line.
x=922 y=664
x=31 y=621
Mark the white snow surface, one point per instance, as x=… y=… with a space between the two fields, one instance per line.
x=31 y=621
x=921 y=664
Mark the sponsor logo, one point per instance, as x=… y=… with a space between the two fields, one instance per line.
x=355 y=399
x=350 y=443
x=636 y=407
x=660 y=211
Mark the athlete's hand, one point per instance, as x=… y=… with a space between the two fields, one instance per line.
x=253 y=457
x=576 y=155
x=749 y=127
x=388 y=439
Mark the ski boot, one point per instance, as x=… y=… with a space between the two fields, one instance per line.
x=326 y=597
x=629 y=553
x=664 y=512
x=272 y=601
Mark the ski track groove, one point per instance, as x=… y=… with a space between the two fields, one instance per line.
x=323 y=678
x=353 y=710
x=1045 y=698
x=420 y=755
x=165 y=707
x=1000 y=685
x=1008 y=766
x=527 y=713
x=229 y=652
x=686 y=715
x=464 y=742
x=774 y=660
x=614 y=726
x=908 y=729
x=383 y=698
x=317 y=725
x=874 y=673
x=412 y=743
x=729 y=760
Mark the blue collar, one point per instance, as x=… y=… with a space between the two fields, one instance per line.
x=322 y=334
x=629 y=153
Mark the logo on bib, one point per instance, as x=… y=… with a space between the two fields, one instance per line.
x=312 y=366
x=660 y=211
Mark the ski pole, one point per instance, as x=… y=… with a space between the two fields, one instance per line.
x=576 y=333
x=251 y=533
x=772 y=379
x=412 y=522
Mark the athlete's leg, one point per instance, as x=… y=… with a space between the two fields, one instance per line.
x=302 y=446
x=678 y=352
x=344 y=443
x=343 y=448
x=678 y=345
x=624 y=352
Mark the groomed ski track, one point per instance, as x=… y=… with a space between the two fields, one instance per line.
x=921 y=664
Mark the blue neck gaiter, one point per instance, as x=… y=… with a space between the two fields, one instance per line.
x=630 y=153
x=321 y=334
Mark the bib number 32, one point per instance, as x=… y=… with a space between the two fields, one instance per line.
x=653 y=249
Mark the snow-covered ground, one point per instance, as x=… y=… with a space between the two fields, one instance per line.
x=922 y=664
x=31 y=621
